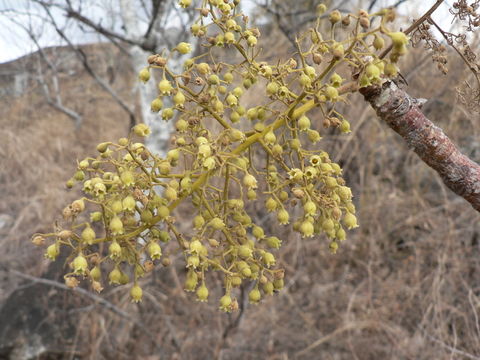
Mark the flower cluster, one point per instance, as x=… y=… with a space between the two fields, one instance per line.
x=130 y=193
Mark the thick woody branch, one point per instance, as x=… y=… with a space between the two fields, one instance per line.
x=402 y=113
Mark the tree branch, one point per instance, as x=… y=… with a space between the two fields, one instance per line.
x=402 y=113
x=83 y=58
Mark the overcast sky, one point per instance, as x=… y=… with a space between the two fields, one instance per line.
x=14 y=41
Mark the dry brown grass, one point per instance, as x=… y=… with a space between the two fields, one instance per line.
x=404 y=286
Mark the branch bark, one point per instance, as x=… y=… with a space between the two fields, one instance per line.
x=403 y=114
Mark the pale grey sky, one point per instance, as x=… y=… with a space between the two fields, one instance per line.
x=14 y=41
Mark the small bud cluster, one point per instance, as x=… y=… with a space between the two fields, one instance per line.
x=130 y=193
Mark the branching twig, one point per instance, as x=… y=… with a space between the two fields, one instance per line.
x=402 y=113
x=98 y=299
x=83 y=58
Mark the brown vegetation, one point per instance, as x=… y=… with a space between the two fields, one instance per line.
x=404 y=287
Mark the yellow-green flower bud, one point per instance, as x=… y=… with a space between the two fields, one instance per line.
x=229 y=37
x=278 y=284
x=115 y=250
x=83 y=164
x=277 y=149
x=154 y=250
x=88 y=235
x=331 y=182
x=250 y=181
x=52 y=252
x=333 y=247
x=309 y=208
x=274 y=242
x=344 y=192
x=70 y=183
x=191 y=280
x=304 y=123
x=127 y=177
x=80 y=265
x=95 y=216
x=336 y=80
x=283 y=217
x=335 y=17
x=170 y=194
x=236 y=281
x=116 y=226
x=254 y=296
x=198 y=222
x=341 y=235
x=115 y=276
x=79 y=176
x=156 y=105
x=128 y=203
x=205 y=150
x=184 y=48
x=142 y=130
x=305 y=80
x=310 y=72
x=251 y=41
x=321 y=8
x=237 y=92
x=306 y=229
x=331 y=93
x=350 y=221
x=164 y=167
x=186 y=183
x=328 y=225
x=372 y=71
x=146 y=216
x=217 y=223
x=202 y=293
x=165 y=87
x=196 y=247
x=213 y=79
x=378 y=42
x=269 y=138
x=345 y=126
x=96 y=273
x=124 y=279
x=268 y=259
x=181 y=125
x=179 y=99
x=102 y=147
x=136 y=293
x=313 y=136
x=116 y=206
x=144 y=75
x=271 y=204
x=184 y=3
x=399 y=39
x=272 y=88
x=268 y=288
x=193 y=261
x=167 y=114
x=245 y=252
x=203 y=68
x=225 y=302
x=209 y=163
x=258 y=232
x=163 y=211
x=228 y=77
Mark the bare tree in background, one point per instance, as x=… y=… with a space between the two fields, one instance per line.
x=136 y=28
